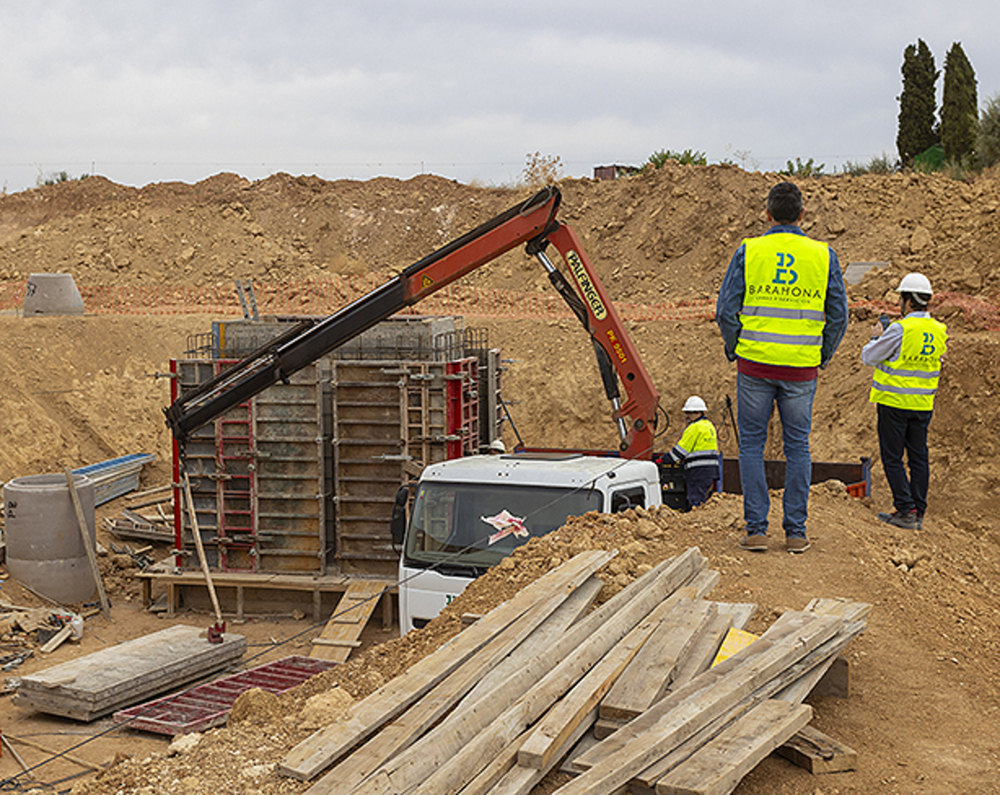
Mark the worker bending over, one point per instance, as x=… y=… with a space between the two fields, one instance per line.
x=698 y=449
x=907 y=358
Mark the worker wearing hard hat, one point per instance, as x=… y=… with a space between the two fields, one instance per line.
x=698 y=449
x=907 y=358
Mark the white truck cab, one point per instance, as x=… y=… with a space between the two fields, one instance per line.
x=447 y=540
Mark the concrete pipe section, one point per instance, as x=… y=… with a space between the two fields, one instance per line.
x=44 y=548
x=52 y=294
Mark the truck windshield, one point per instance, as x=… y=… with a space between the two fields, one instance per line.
x=449 y=517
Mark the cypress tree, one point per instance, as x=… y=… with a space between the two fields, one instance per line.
x=959 y=106
x=917 y=103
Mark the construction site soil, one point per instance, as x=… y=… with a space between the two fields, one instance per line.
x=924 y=714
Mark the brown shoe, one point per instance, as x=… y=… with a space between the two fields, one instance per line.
x=754 y=543
x=797 y=545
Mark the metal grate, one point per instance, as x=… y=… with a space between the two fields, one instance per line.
x=209 y=704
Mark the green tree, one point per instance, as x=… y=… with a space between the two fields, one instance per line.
x=916 y=103
x=959 y=106
x=988 y=133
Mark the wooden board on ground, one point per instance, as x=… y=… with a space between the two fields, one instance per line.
x=342 y=632
x=97 y=684
x=817 y=752
x=721 y=763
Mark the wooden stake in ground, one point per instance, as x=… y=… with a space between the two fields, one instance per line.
x=88 y=543
x=24 y=765
x=201 y=549
x=52 y=752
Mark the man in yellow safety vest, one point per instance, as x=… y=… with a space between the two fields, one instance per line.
x=782 y=311
x=698 y=449
x=907 y=359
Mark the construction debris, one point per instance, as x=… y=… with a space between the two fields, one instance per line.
x=116 y=476
x=503 y=702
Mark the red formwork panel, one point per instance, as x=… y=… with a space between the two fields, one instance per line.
x=209 y=704
x=462 y=392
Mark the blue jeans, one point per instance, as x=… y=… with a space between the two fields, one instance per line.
x=755 y=399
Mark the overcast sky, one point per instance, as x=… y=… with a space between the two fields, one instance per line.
x=145 y=92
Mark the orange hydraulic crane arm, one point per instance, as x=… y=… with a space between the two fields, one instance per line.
x=532 y=223
x=616 y=353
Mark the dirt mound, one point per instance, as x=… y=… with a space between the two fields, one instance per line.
x=667 y=234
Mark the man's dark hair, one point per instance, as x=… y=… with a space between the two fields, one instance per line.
x=784 y=202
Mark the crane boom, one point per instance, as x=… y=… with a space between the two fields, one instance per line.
x=532 y=223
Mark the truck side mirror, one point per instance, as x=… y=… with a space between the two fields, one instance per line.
x=397 y=524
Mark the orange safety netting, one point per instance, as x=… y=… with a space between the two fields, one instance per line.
x=325 y=296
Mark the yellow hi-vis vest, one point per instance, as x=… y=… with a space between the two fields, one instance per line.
x=784 y=301
x=698 y=446
x=910 y=380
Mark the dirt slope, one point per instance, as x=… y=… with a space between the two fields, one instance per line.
x=77 y=390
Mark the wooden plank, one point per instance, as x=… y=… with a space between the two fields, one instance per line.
x=497 y=769
x=88 y=543
x=411 y=724
x=551 y=732
x=585 y=743
x=467 y=722
x=703 y=651
x=719 y=766
x=463 y=763
x=349 y=644
x=341 y=633
x=651 y=672
x=50 y=752
x=646 y=780
x=682 y=713
x=99 y=683
x=553 y=628
x=811 y=749
x=521 y=780
x=367 y=716
x=57 y=640
x=196 y=534
x=741 y=612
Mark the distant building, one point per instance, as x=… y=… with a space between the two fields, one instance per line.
x=614 y=172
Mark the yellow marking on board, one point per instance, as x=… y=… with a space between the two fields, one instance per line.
x=735 y=640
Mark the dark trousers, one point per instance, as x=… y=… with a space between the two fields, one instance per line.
x=899 y=430
x=698 y=482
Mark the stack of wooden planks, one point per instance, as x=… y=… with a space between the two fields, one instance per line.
x=504 y=701
x=98 y=684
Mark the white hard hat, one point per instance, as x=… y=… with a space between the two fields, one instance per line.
x=498 y=446
x=915 y=283
x=695 y=403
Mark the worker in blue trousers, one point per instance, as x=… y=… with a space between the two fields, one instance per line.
x=698 y=449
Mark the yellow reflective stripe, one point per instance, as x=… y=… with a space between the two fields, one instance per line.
x=781 y=339
x=790 y=314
